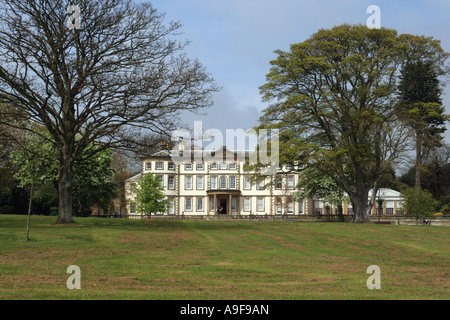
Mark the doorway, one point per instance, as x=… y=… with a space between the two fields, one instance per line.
x=223 y=206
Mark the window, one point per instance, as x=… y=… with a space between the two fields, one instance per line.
x=260 y=185
x=171 y=166
x=290 y=182
x=199 y=182
x=199 y=166
x=199 y=204
x=133 y=207
x=223 y=166
x=214 y=182
x=278 y=182
x=247 y=185
x=159 y=165
x=188 y=204
x=133 y=187
x=212 y=203
x=233 y=204
x=160 y=179
x=223 y=182
x=171 y=182
x=247 y=204
x=213 y=166
x=188 y=183
x=148 y=166
x=260 y=204
x=232 y=182
x=188 y=166
x=389 y=210
x=288 y=166
x=170 y=206
x=290 y=207
x=278 y=205
x=232 y=166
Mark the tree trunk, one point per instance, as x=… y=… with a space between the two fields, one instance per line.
x=360 y=206
x=65 y=186
x=418 y=159
x=29 y=210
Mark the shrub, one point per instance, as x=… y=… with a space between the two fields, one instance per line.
x=418 y=202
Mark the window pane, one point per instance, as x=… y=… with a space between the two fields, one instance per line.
x=246 y=183
x=261 y=185
x=233 y=204
x=170 y=207
x=246 y=204
x=232 y=166
x=170 y=182
x=188 y=204
x=148 y=166
x=188 y=183
x=199 y=166
x=232 y=182
x=199 y=204
x=213 y=182
x=171 y=166
x=213 y=166
x=260 y=204
x=223 y=183
x=223 y=166
x=278 y=183
x=290 y=207
x=159 y=165
x=199 y=183
x=290 y=182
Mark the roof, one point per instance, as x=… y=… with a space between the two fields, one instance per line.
x=137 y=177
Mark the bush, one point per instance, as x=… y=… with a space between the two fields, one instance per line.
x=7 y=209
x=419 y=202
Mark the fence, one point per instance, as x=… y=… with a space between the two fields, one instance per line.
x=383 y=219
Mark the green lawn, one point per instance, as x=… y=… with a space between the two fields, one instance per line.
x=156 y=259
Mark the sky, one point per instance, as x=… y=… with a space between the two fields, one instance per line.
x=235 y=41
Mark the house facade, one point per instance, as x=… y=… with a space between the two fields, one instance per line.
x=206 y=188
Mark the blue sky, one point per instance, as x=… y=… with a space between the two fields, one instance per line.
x=235 y=40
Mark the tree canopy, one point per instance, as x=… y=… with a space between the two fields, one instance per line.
x=103 y=85
x=334 y=99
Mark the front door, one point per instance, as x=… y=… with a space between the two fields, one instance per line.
x=223 y=206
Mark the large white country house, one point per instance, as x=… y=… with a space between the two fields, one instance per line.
x=207 y=188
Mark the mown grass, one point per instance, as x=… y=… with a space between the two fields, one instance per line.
x=188 y=260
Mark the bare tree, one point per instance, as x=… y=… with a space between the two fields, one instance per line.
x=117 y=78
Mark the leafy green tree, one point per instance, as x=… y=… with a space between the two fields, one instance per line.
x=150 y=196
x=33 y=165
x=418 y=202
x=335 y=101
x=313 y=184
x=92 y=185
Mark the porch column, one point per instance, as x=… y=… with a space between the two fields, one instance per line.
x=208 y=207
